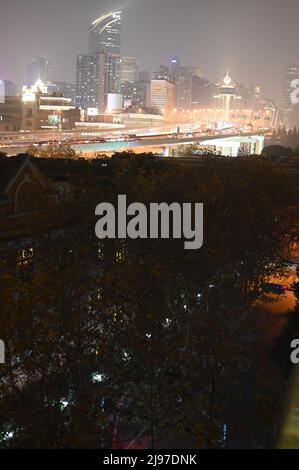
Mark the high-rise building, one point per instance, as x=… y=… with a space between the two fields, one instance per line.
x=202 y=93
x=129 y=69
x=136 y=94
x=162 y=92
x=164 y=73
x=189 y=86
x=190 y=70
x=67 y=89
x=40 y=69
x=105 y=37
x=144 y=76
x=183 y=91
x=175 y=64
x=95 y=78
x=10 y=88
x=290 y=110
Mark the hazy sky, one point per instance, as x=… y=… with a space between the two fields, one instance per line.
x=255 y=38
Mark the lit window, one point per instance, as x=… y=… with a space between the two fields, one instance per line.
x=25 y=257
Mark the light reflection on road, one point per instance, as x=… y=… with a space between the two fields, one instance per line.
x=283 y=303
x=278 y=305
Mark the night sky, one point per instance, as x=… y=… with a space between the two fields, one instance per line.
x=256 y=38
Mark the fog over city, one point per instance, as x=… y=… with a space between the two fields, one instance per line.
x=255 y=39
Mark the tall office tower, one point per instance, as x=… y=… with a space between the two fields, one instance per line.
x=10 y=88
x=290 y=109
x=250 y=96
x=188 y=85
x=175 y=64
x=95 y=77
x=162 y=92
x=136 y=94
x=144 y=76
x=164 y=73
x=129 y=69
x=67 y=89
x=202 y=93
x=105 y=37
x=183 y=90
x=40 y=69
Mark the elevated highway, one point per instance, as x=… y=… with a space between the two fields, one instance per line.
x=158 y=144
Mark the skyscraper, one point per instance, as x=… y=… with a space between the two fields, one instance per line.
x=95 y=75
x=129 y=69
x=189 y=85
x=175 y=64
x=11 y=89
x=67 y=89
x=40 y=69
x=136 y=94
x=162 y=92
x=105 y=37
x=164 y=73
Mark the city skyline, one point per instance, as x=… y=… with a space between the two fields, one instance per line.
x=256 y=52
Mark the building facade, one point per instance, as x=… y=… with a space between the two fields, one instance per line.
x=95 y=78
x=136 y=94
x=225 y=97
x=191 y=90
x=11 y=111
x=40 y=69
x=162 y=92
x=44 y=110
x=10 y=88
x=129 y=70
x=105 y=37
x=67 y=89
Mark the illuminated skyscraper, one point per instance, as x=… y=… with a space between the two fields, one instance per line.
x=95 y=78
x=105 y=37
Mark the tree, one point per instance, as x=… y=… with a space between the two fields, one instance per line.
x=277 y=151
x=141 y=335
x=282 y=347
x=62 y=151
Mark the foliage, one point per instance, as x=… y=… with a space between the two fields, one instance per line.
x=277 y=151
x=145 y=333
x=53 y=151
